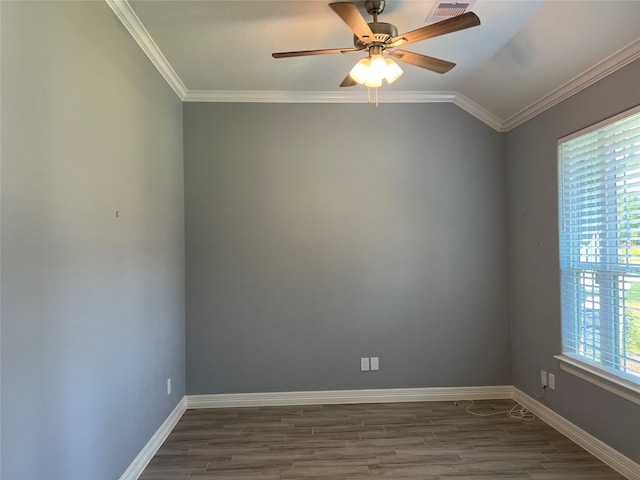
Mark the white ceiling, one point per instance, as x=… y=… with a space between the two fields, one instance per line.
x=525 y=55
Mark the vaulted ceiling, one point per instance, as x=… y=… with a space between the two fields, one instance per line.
x=524 y=57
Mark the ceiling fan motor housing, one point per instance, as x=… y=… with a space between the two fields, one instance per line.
x=382 y=33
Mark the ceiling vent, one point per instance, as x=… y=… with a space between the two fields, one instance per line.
x=442 y=10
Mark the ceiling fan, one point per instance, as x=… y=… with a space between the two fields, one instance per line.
x=380 y=39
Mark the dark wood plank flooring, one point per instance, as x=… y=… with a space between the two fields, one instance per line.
x=398 y=441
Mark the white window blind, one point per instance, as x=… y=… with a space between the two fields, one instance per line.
x=599 y=214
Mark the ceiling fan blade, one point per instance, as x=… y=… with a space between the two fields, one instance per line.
x=466 y=20
x=348 y=81
x=304 y=53
x=422 y=61
x=350 y=15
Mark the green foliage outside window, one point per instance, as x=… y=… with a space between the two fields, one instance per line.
x=632 y=333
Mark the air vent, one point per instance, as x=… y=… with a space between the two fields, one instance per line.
x=443 y=10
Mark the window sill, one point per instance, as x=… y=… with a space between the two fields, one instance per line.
x=624 y=388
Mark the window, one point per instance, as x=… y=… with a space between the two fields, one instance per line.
x=599 y=215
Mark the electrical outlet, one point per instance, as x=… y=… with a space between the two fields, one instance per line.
x=169 y=386
x=543 y=378
x=364 y=364
x=552 y=381
x=375 y=363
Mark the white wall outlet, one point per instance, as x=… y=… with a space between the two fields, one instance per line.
x=169 y=386
x=552 y=381
x=543 y=378
x=375 y=363
x=364 y=364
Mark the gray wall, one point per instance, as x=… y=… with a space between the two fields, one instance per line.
x=317 y=234
x=92 y=305
x=534 y=274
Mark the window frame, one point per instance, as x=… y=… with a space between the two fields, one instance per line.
x=625 y=386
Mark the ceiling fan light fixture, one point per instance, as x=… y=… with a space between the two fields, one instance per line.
x=373 y=82
x=377 y=68
x=360 y=71
x=393 y=71
x=372 y=70
x=380 y=37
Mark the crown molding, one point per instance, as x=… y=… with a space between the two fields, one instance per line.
x=479 y=112
x=132 y=23
x=348 y=96
x=344 y=96
x=609 y=65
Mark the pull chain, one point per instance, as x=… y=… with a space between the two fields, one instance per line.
x=369 y=96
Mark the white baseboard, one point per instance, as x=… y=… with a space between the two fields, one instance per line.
x=616 y=460
x=348 y=396
x=146 y=454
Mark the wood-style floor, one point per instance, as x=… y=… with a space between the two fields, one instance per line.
x=396 y=441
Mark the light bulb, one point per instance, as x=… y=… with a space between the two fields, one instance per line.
x=393 y=71
x=360 y=71
x=378 y=68
x=373 y=82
